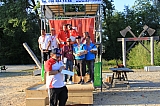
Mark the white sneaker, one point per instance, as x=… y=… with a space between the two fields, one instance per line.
x=70 y=82
x=65 y=83
x=92 y=82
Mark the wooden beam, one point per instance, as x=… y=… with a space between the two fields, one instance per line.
x=94 y=12
x=74 y=13
x=138 y=39
x=32 y=55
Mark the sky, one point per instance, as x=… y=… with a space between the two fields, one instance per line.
x=119 y=4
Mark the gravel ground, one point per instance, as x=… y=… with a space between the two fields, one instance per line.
x=144 y=89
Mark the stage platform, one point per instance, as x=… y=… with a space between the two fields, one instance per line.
x=77 y=94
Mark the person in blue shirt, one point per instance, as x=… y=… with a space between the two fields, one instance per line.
x=79 y=51
x=90 y=58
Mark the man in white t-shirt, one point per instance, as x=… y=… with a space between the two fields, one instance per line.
x=54 y=43
x=44 y=45
x=54 y=79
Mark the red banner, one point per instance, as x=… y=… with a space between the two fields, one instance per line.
x=79 y=24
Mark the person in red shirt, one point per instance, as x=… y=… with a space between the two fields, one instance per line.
x=62 y=36
x=57 y=90
x=72 y=33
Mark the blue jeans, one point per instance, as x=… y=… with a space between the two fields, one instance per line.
x=90 y=65
x=69 y=66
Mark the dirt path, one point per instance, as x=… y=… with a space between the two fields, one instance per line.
x=12 y=87
x=144 y=90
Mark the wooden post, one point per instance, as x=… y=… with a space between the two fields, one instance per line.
x=124 y=51
x=32 y=55
x=152 y=50
x=124 y=40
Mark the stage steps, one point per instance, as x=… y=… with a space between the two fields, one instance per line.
x=77 y=94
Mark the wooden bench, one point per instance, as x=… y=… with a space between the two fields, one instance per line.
x=77 y=94
x=3 y=68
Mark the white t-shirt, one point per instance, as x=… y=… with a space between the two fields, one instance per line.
x=55 y=81
x=53 y=42
x=44 y=41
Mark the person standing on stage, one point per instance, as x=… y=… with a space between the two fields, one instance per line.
x=57 y=90
x=54 y=43
x=90 y=58
x=62 y=36
x=44 y=45
x=79 y=51
x=83 y=39
x=72 y=32
x=67 y=55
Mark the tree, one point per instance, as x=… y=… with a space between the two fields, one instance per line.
x=142 y=13
x=112 y=24
x=19 y=26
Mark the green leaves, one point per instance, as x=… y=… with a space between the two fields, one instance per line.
x=24 y=25
x=19 y=25
x=142 y=13
x=139 y=56
x=15 y=22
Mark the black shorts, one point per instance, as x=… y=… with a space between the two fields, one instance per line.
x=46 y=55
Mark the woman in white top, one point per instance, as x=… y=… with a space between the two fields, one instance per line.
x=54 y=43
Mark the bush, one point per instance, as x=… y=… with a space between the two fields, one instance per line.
x=108 y=64
x=140 y=57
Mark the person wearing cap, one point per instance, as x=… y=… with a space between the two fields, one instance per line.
x=44 y=45
x=79 y=51
x=90 y=58
x=67 y=55
x=54 y=43
x=62 y=36
x=57 y=90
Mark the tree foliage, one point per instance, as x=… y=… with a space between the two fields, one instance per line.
x=19 y=26
x=140 y=57
x=20 y=22
x=140 y=14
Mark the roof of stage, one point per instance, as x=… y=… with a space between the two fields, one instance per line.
x=90 y=9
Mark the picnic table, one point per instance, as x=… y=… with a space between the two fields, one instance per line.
x=120 y=76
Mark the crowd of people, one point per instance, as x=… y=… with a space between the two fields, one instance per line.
x=63 y=51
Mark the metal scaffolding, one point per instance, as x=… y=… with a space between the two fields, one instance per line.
x=91 y=10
